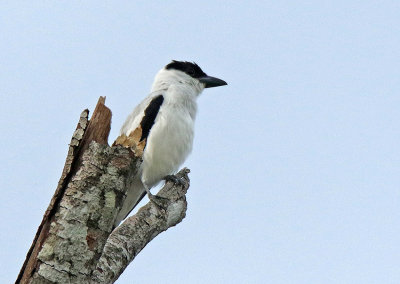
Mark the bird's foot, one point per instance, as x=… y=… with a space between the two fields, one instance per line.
x=174 y=179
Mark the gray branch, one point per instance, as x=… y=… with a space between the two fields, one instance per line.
x=136 y=232
x=75 y=242
x=85 y=216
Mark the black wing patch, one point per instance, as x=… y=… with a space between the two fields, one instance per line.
x=150 y=114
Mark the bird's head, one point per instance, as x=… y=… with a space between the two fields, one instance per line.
x=188 y=73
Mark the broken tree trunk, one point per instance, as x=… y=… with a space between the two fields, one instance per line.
x=75 y=242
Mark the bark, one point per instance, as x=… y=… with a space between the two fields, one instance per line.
x=128 y=239
x=73 y=242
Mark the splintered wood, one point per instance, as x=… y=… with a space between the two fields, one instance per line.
x=132 y=141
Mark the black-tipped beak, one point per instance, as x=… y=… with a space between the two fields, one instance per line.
x=211 y=82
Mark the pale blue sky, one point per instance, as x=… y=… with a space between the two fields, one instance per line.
x=295 y=169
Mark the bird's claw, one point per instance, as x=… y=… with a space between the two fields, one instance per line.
x=174 y=179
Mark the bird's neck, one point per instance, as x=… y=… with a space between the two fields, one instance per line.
x=180 y=92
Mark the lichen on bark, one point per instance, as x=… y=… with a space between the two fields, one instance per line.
x=75 y=242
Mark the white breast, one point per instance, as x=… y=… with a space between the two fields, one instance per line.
x=171 y=137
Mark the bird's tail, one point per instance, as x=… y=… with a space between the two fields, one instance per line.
x=135 y=193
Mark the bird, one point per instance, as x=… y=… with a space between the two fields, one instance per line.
x=164 y=124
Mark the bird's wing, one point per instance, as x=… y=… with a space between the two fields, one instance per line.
x=150 y=114
x=149 y=106
x=141 y=121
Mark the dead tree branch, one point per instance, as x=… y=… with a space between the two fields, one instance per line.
x=73 y=242
x=136 y=232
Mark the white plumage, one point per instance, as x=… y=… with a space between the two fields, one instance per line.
x=170 y=138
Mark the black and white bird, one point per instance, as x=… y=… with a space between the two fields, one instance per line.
x=166 y=122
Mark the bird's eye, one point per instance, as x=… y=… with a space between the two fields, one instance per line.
x=191 y=72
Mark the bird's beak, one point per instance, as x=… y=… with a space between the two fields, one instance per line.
x=210 y=82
